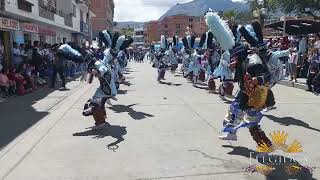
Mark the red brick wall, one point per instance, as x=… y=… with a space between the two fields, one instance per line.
x=104 y=10
x=174 y=26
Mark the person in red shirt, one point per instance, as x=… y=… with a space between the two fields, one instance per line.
x=6 y=85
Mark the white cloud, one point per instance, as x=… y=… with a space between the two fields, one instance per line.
x=142 y=10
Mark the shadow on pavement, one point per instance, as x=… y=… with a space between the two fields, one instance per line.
x=280 y=171
x=136 y=115
x=169 y=83
x=114 y=131
x=18 y=115
x=120 y=91
x=203 y=87
x=127 y=83
x=287 y=121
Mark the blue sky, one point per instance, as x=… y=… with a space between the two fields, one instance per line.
x=142 y=10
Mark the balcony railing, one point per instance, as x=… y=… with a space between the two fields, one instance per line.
x=47 y=6
x=46 y=14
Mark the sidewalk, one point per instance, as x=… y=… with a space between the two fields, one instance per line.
x=27 y=119
x=301 y=84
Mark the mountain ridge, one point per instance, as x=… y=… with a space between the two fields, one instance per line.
x=131 y=24
x=199 y=7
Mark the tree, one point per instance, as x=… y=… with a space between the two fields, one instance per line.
x=299 y=6
x=127 y=31
x=260 y=8
x=230 y=15
x=243 y=17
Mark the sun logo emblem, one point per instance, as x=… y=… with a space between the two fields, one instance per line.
x=279 y=142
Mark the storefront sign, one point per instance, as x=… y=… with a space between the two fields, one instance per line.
x=28 y=27
x=46 y=31
x=9 y=23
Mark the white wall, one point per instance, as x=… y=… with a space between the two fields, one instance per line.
x=11 y=6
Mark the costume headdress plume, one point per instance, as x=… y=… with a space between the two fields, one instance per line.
x=220 y=30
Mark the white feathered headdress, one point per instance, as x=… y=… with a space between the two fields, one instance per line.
x=163 y=42
x=120 y=40
x=220 y=30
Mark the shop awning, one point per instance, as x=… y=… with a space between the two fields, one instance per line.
x=296 y=27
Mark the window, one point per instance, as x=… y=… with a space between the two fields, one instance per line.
x=178 y=26
x=81 y=15
x=166 y=26
x=190 y=26
x=190 y=20
x=25 y=5
x=74 y=10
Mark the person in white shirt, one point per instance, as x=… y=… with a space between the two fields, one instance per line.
x=316 y=45
x=17 y=58
x=293 y=61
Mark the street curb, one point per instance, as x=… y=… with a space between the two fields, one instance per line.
x=293 y=84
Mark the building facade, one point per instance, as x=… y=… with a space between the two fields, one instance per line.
x=177 y=25
x=104 y=10
x=47 y=21
x=138 y=37
x=150 y=32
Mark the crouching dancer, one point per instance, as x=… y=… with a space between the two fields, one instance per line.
x=103 y=71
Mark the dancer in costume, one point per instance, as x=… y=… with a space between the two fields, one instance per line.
x=253 y=34
x=103 y=71
x=186 y=60
x=195 y=60
x=211 y=56
x=161 y=62
x=253 y=76
x=225 y=73
x=173 y=55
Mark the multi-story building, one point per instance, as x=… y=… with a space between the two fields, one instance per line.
x=138 y=37
x=47 y=21
x=104 y=10
x=177 y=25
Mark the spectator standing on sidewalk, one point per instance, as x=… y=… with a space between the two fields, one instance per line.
x=36 y=56
x=58 y=68
x=293 y=60
x=17 y=57
x=314 y=68
x=1 y=52
x=302 y=54
x=316 y=45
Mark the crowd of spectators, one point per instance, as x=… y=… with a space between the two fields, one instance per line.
x=304 y=59
x=34 y=67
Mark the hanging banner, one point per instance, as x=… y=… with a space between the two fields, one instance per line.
x=9 y=23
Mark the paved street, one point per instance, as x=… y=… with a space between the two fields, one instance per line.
x=158 y=131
